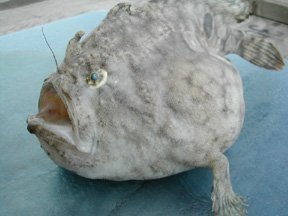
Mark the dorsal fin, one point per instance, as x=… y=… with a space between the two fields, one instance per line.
x=238 y=9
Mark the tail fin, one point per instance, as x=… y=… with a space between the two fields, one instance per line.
x=261 y=52
x=238 y=9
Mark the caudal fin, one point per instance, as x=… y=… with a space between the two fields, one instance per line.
x=261 y=52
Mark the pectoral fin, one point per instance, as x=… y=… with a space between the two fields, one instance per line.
x=261 y=52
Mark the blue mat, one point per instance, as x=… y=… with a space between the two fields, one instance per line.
x=31 y=184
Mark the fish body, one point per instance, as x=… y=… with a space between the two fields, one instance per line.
x=149 y=93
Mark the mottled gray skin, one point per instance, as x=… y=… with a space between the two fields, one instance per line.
x=171 y=102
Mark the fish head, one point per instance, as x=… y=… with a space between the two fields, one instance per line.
x=66 y=122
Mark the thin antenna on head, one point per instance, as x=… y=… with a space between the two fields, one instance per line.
x=42 y=29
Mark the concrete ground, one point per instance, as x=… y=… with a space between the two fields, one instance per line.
x=20 y=14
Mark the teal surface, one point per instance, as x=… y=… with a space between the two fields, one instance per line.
x=31 y=184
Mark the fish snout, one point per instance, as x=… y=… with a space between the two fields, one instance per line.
x=31 y=127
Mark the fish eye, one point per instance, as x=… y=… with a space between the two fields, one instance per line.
x=97 y=78
x=94 y=76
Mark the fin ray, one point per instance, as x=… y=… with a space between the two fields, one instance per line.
x=261 y=52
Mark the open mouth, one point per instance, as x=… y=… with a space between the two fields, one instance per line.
x=51 y=108
x=53 y=117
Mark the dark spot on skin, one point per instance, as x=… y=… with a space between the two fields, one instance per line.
x=276 y=24
x=189 y=80
x=74 y=78
x=88 y=66
x=208 y=22
x=94 y=45
x=225 y=109
x=138 y=172
x=266 y=31
x=254 y=27
x=155 y=167
x=61 y=153
x=103 y=65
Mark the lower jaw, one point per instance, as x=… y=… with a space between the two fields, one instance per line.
x=55 y=131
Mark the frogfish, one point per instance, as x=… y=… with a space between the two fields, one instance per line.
x=149 y=93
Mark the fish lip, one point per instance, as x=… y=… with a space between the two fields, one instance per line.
x=40 y=128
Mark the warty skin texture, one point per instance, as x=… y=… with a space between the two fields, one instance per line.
x=171 y=101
